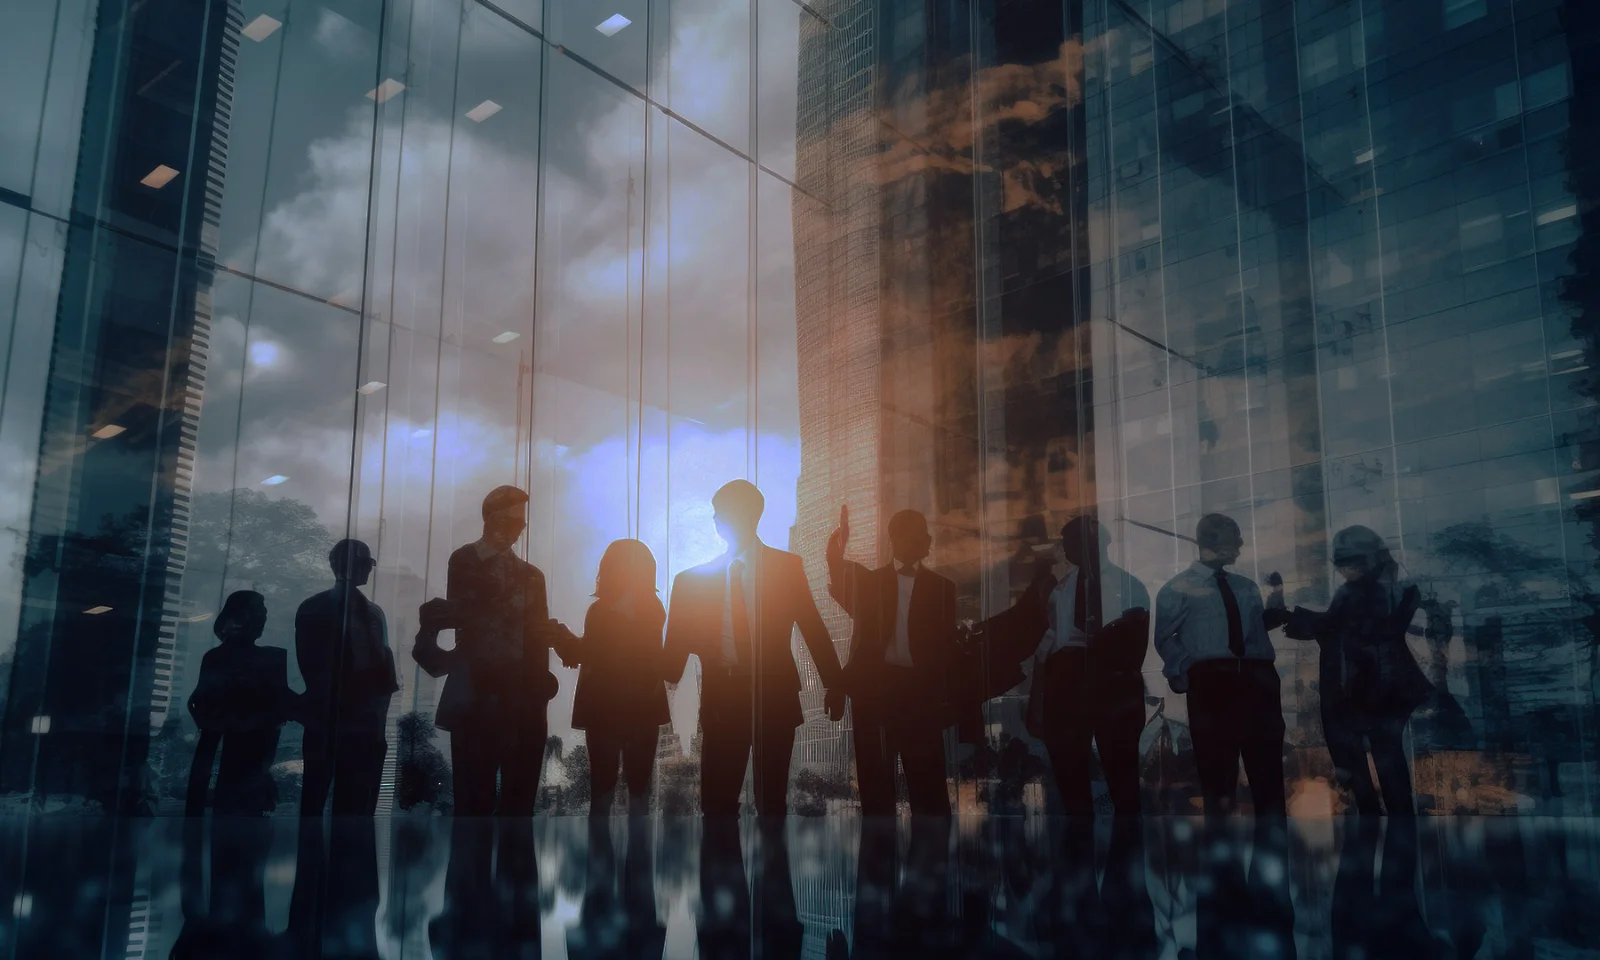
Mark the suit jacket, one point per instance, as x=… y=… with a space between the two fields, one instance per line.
x=872 y=598
x=499 y=669
x=341 y=642
x=783 y=601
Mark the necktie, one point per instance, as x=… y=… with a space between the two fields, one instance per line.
x=1230 y=603
x=741 y=613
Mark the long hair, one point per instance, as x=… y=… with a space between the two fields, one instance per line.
x=627 y=568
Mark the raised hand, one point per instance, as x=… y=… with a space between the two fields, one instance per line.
x=840 y=537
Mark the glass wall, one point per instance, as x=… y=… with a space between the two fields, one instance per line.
x=287 y=271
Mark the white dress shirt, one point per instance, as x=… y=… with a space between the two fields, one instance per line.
x=899 y=652
x=1192 y=621
x=730 y=656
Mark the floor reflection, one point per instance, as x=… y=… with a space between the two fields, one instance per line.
x=814 y=888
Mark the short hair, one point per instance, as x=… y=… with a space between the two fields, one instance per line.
x=1213 y=528
x=1086 y=530
x=502 y=497
x=739 y=498
x=907 y=522
x=238 y=606
x=344 y=552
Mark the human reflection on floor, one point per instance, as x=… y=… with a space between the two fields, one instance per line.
x=834 y=888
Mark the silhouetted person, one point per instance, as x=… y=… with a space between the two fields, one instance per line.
x=990 y=656
x=1211 y=632
x=738 y=614
x=1089 y=686
x=1370 y=682
x=240 y=703
x=901 y=654
x=341 y=641
x=618 y=918
x=621 y=701
x=499 y=681
x=229 y=920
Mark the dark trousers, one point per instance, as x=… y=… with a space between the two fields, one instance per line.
x=1347 y=745
x=349 y=764
x=511 y=753
x=900 y=716
x=1084 y=705
x=1236 y=713
x=637 y=751
x=735 y=731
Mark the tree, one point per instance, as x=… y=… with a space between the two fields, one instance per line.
x=422 y=772
x=275 y=544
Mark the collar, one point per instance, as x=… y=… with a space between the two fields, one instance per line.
x=749 y=553
x=907 y=570
x=1201 y=570
x=482 y=549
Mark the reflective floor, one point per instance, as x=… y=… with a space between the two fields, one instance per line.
x=826 y=887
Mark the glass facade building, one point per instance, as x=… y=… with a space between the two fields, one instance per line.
x=277 y=273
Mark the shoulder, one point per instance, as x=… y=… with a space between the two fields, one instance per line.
x=464 y=554
x=705 y=571
x=314 y=604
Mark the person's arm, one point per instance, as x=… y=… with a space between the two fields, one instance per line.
x=311 y=653
x=1171 y=612
x=817 y=640
x=844 y=582
x=1047 y=642
x=680 y=614
x=432 y=617
x=205 y=753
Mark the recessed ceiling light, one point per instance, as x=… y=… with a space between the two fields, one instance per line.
x=95 y=611
x=612 y=25
x=274 y=480
x=159 y=177
x=41 y=724
x=261 y=28
x=1586 y=494
x=385 y=90
x=507 y=337
x=371 y=387
x=483 y=111
x=108 y=431
x=197 y=618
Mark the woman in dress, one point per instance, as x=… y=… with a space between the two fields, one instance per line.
x=621 y=700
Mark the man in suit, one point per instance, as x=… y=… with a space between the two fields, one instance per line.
x=738 y=614
x=1211 y=632
x=1088 y=686
x=900 y=658
x=341 y=641
x=499 y=682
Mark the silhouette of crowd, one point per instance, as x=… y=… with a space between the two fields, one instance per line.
x=1081 y=642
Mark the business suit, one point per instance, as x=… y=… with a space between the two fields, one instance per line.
x=341 y=642
x=899 y=708
x=499 y=681
x=752 y=703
